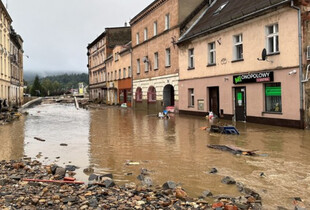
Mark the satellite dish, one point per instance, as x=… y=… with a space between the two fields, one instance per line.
x=264 y=54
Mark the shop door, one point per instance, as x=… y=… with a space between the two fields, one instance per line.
x=214 y=102
x=240 y=103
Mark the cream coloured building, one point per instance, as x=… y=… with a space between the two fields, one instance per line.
x=5 y=74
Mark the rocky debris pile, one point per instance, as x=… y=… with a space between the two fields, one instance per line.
x=9 y=116
x=28 y=184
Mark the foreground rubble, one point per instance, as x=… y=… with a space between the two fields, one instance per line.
x=51 y=188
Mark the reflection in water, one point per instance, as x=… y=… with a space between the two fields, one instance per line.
x=12 y=140
x=173 y=149
x=58 y=124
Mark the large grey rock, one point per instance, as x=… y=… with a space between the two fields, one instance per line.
x=60 y=172
x=169 y=185
x=107 y=182
x=206 y=193
x=147 y=181
x=93 y=177
x=228 y=180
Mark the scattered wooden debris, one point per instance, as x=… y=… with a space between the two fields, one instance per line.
x=52 y=181
x=39 y=139
x=233 y=150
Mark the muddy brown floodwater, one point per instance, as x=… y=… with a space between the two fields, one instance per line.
x=174 y=149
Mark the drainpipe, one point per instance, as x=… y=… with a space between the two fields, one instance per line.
x=300 y=65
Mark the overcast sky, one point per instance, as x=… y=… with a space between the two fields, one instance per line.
x=57 y=32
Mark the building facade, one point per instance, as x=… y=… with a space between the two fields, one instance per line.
x=5 y=73
x=119 y=82
x=16 y=68
x=98 y=51
x=245 y=66
x=155 y=57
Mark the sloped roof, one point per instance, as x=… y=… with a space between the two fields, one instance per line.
x=234 y=12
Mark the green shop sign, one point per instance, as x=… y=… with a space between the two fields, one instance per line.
x=253 y=77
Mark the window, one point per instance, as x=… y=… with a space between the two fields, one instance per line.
x=212 y=53
x=138 y=66
x=191 y=97
x=146 y=63
x=119 y=73
x=108 y=76
x=155 y=28
x=137 y=38
x=168 y=57
x=145 y=34
x=124 y=73
x=155 y=60
x=116 y=57
x=139 y=94
x=272 y=39
x=151 y=95
x=167 y=21
x=273 y=97
x=191 y=59
x=238 y=47
x=115 y=75
x=129 y=71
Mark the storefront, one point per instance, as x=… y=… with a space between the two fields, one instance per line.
x=268 y=97
x=125 y=92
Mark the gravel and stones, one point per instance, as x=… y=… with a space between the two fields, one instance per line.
x=101 y=192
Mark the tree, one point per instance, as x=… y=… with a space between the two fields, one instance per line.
x=36 y=87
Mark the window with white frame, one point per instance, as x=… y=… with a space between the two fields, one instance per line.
x=129 y=71
x=167 y=21
x=238 y=47
x=212 y=53
x=168 y=57
x=155 y=28
x=138 y=66
x=191 y=64
x=156 y=60
x=124 y=73
x=191 y=97
x=137 y=38
x=272 y=38
x=145 y=34
x=146 y=63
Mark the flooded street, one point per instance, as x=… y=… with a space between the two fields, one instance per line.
x=174 y=149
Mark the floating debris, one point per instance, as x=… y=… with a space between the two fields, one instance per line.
x=233 y=150
x=39 y=139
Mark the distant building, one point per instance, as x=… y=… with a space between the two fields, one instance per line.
x=16 y=67
x=119 y=83
x=98 y=51
x=5 y=73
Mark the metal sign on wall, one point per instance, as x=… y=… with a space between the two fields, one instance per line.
x=253 y=77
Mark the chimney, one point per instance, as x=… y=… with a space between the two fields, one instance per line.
x=125 y=24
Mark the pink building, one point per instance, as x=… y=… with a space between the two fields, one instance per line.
x=243 y=60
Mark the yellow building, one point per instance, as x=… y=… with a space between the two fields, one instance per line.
x=5 y=74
